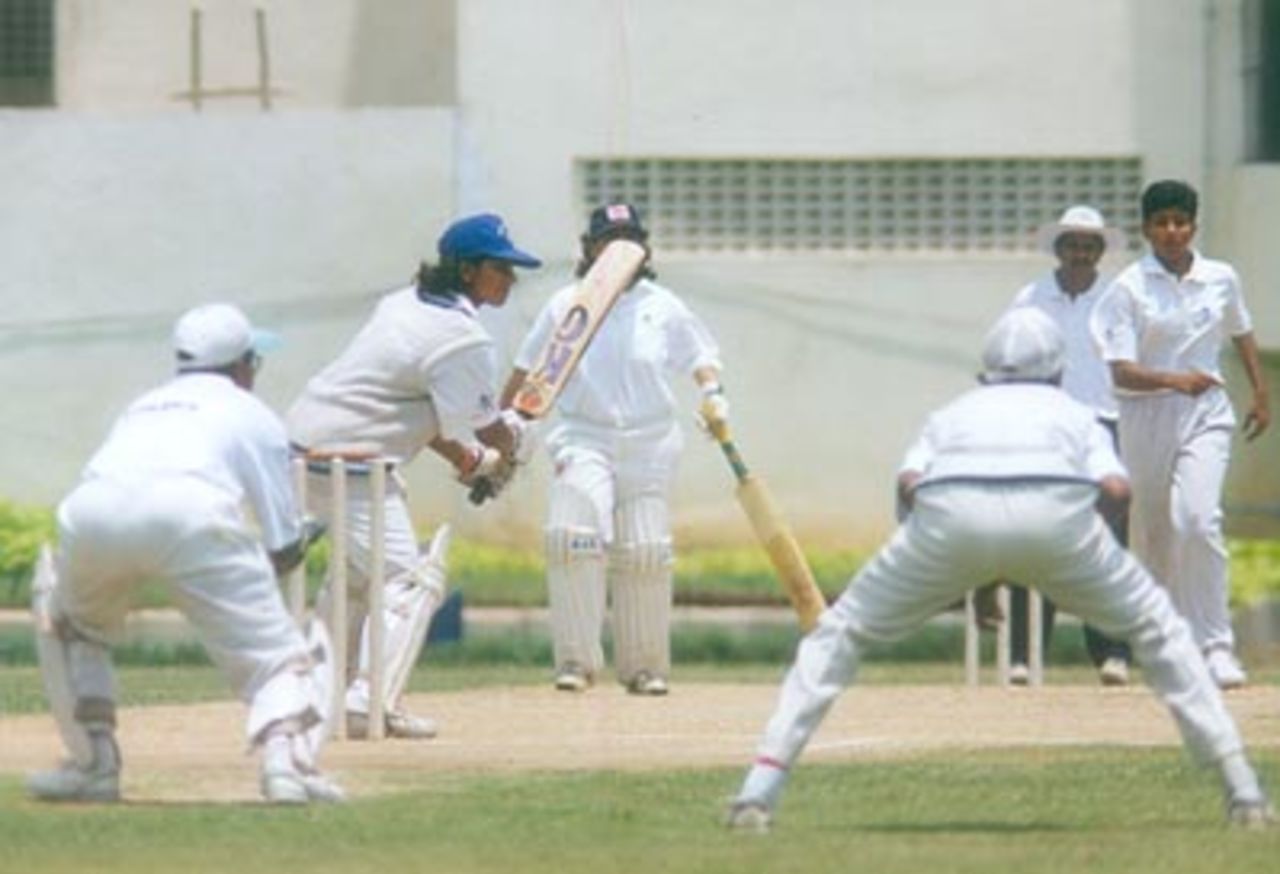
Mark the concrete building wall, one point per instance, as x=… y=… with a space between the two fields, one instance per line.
x=392 y=116
x=136 y=55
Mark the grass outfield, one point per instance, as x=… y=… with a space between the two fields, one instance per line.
x=1067 y=810
x=1096 y=809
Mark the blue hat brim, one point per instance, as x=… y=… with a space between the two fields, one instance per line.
x=514 y=256
x=266 y=341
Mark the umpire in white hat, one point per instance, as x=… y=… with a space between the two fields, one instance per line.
x=1068 y=294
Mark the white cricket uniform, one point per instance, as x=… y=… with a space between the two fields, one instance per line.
x=614 y=449
x=419 y=368
x=1008 y=492
x=1177 y=446
x=1086 y=377
x=162 y=500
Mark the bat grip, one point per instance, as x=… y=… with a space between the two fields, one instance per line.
x=734 y=458
x=481 y=491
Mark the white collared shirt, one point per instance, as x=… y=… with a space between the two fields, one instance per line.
x=1162 y=322
x=418 y=368
x=1087 y=378
x=1013 y=432
x=621 y=380
x=204 y=426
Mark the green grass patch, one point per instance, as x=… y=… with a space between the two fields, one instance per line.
x=506 y=576
x=1014 y=812
x=691 y=643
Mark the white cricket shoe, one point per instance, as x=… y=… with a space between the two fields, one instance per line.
x=1114 y=672
x=572 y=677
x=1253 y=815
x=752 y=817
x=645 y=683
x=294 y=786
x=1019 y=674
x=1225 y=669
x=70 y=782
x=397 y=723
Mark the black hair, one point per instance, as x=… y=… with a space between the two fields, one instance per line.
x=1169 y=194
x=443 y=278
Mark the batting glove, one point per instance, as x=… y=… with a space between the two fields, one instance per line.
x=714 y=410
x=484 y=462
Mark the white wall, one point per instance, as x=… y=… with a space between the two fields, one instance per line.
x=112 y=227
x=807 y=78
x=125 y=207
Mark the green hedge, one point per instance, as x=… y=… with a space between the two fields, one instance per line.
x=491 y=575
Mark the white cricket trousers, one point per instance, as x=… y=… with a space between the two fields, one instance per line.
x=607 y=515
x=181 y=531
x=1177 y=448
x=963 y=535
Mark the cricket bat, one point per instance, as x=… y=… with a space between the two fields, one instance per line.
x=612 y=273
x=772 y=531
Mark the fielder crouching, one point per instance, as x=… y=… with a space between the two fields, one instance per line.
x=1006 y=483
x=161 y=500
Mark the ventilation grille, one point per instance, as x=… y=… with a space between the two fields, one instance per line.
x=963 y=205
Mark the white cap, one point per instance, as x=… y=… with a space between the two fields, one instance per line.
x=1024 y=345
x=1079 y=219
x=215 y=335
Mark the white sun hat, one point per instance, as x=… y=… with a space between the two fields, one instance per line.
x=1079 y=219
x=215 y=335
x=1024 y=345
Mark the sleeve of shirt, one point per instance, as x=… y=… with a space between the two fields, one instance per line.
x=264 y=469
x=921 y=453
x=1100 y=454
x=690 y=344
x=536 y=339
x=1114 y=324
x=1235 y=317
x=461 y=386
x=1023 y=297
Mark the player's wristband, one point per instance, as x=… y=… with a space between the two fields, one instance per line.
x=711 y=388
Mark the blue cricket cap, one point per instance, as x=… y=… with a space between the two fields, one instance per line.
x=482 y=236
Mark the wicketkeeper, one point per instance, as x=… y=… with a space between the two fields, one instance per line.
x=1009 y=481
x=419 y=373
x=161 y=500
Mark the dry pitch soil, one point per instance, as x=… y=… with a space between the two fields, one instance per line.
x=197 y=754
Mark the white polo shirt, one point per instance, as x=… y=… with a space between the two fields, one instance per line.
x=417 y=369
x=1087 y=378
x=1153 y=318
x=1013 y=432
x=621 y=380
x=204 y=426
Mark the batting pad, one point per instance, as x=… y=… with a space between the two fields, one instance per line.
x=409 y=602
x=575 y=579
x=55 y=661
x=640 y=571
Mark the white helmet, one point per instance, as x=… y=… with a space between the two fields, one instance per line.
x=1024 y=345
